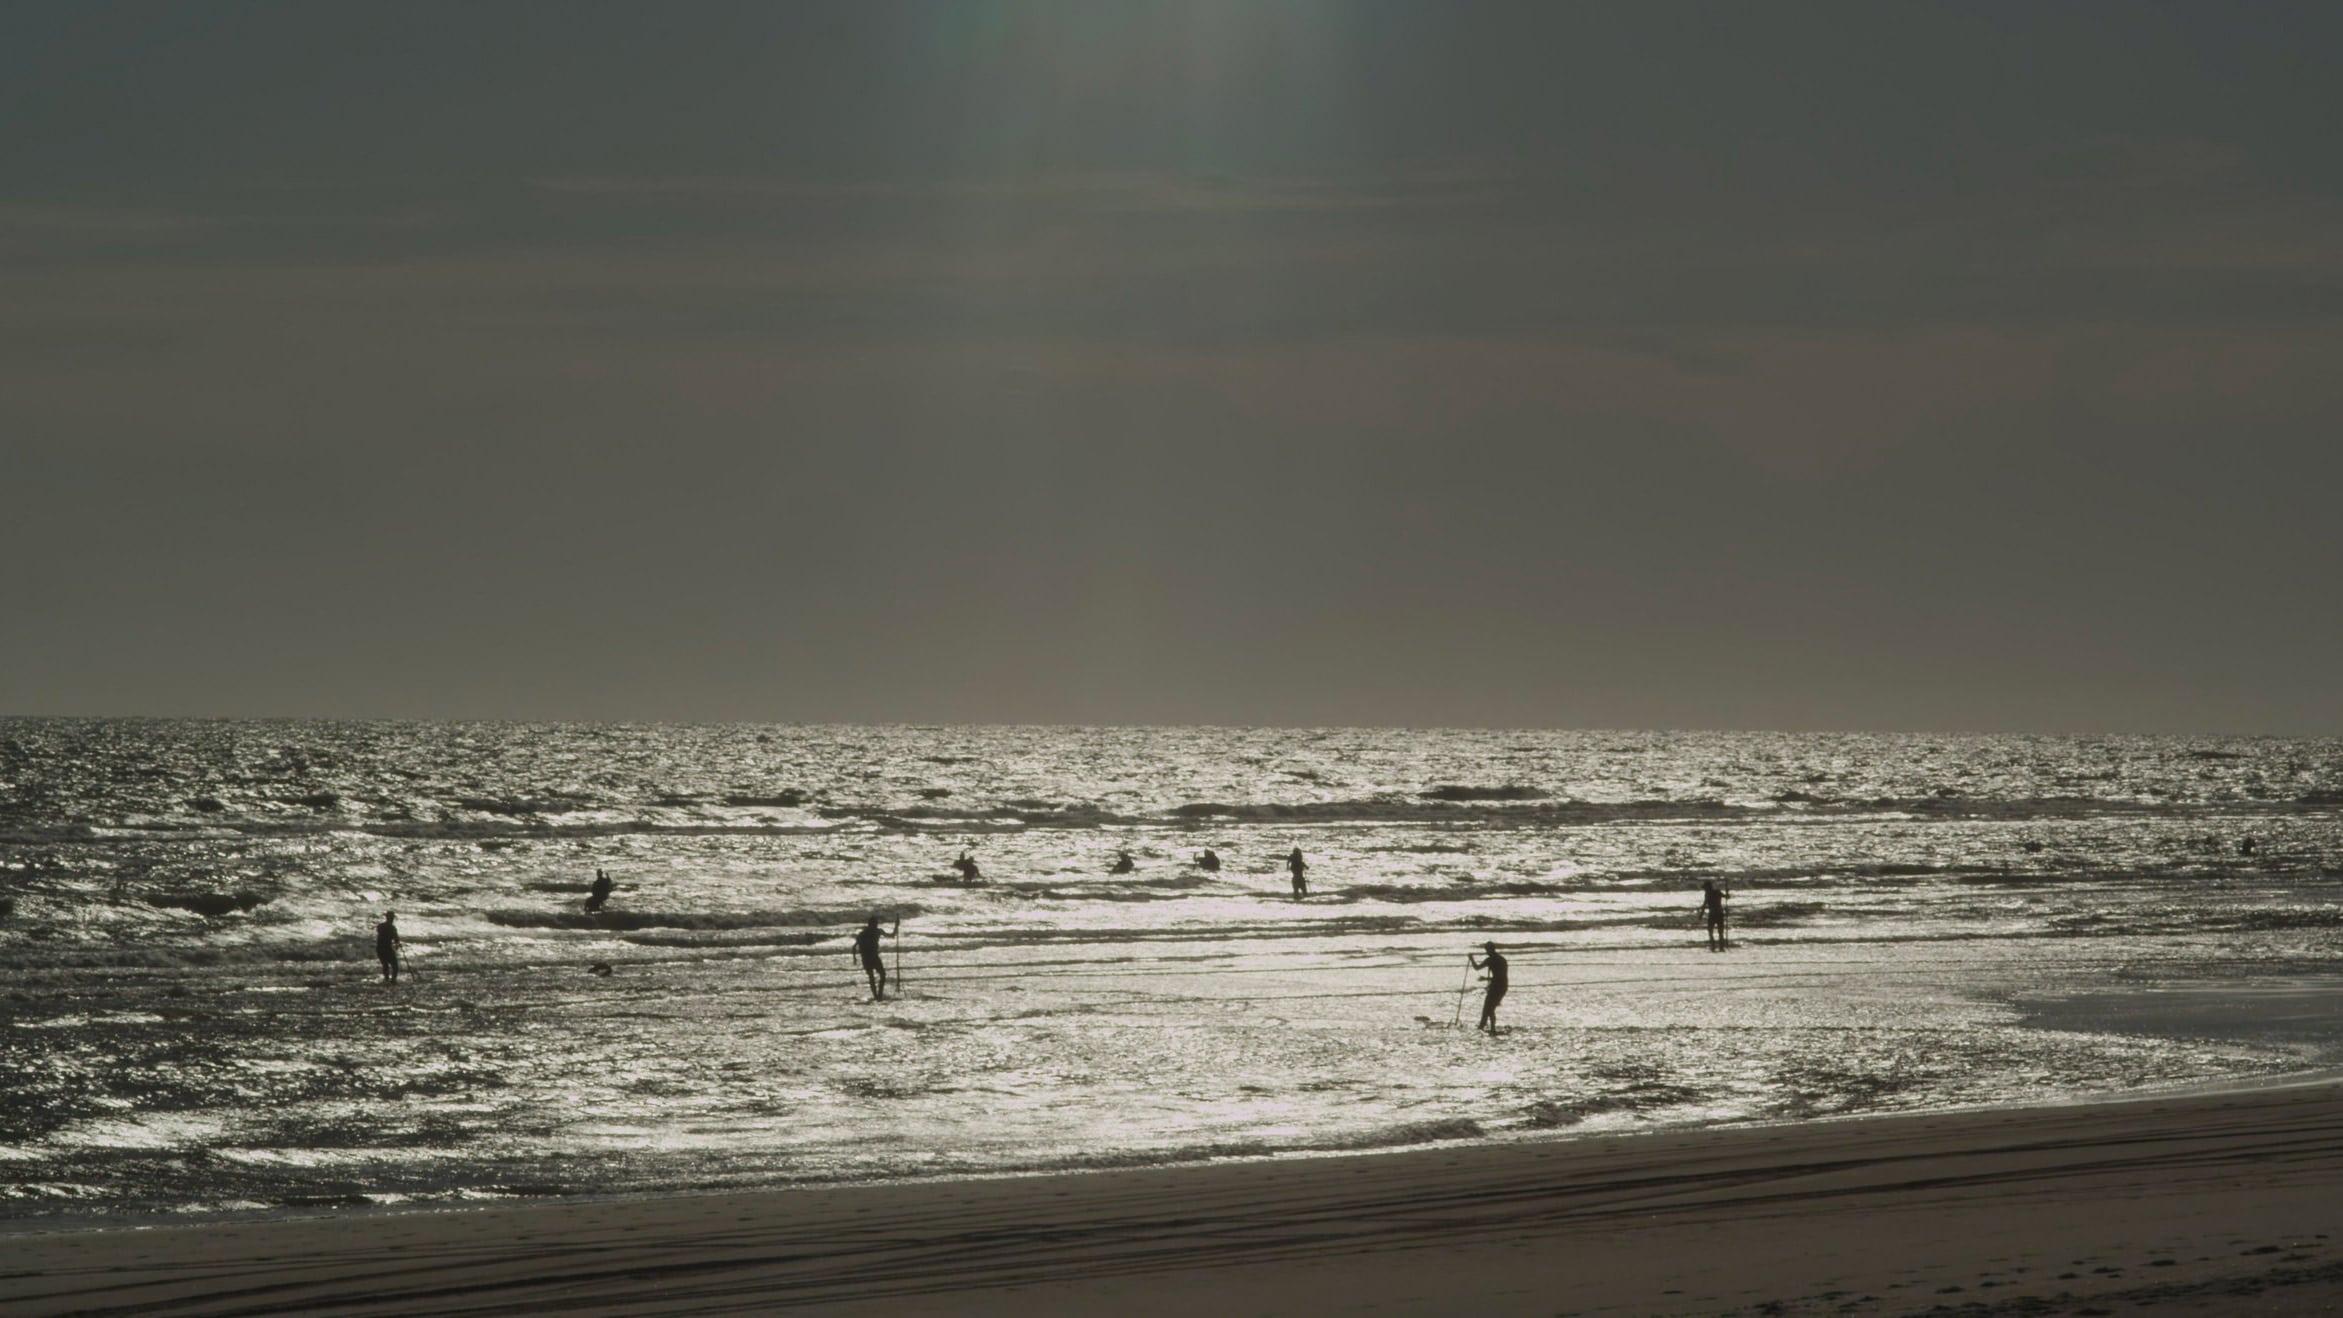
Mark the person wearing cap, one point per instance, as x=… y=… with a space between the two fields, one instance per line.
x=386 y=946
x=1494 y=963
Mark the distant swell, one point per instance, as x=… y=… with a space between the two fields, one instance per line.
x=626 y=920
x=490 y=820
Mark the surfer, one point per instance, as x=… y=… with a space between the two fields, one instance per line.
x=969 y=873
x=600 y=892
x=1299 y=867
x=1494 y=964
x=866 y=950
x=386 y=946
x=1208 y=862
x=1712 y=910
x=1123 y=863
x=2246 y=848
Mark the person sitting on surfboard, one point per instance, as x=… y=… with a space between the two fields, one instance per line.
x=1299 y=867
x=1123 y=863
x=967 y=867
x=1208 y=862
x=600 y=892
x=866 y=949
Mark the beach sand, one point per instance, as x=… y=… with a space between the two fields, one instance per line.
x=2213 y=1203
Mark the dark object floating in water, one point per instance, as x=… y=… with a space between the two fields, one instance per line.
x=2032 y=847
x=791 y=798
x=210 y=805
x=1457 y=792
x=316 y=800
x=935 y=793
x=601 y=968
x=210 y=903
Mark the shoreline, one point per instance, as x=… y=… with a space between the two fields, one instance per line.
x=2215 y=1193
x=2326 y=1073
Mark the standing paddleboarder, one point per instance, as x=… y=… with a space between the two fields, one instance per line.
x=600 y=892
x=386 y=946
x=1494 y=964
x=866 y=950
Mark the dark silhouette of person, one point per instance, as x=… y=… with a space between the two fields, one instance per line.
x=2246 y=848
x=1712 y=910
x=386 y=946
x=1208 y=862
x=967 y=867
x=1299 y=867
x=866 y=950
x=600 y=892
x=1494 y=964
x=1123 y=863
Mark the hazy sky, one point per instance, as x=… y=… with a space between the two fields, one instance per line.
x=1960 y=366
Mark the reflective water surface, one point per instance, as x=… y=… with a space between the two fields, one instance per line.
x=191 y=1019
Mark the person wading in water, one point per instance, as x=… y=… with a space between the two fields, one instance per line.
x=866 y=950
x=1494 y=964
x=1712 y=910
x=1299 y=867
x=386 y=946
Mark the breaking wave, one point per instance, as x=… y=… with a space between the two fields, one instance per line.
x=627 y=920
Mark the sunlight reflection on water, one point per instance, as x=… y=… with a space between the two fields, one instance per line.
x=192 y=1017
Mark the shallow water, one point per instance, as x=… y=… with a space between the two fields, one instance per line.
x=190 y=1017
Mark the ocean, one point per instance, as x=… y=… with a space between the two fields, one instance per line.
x=192 y=1021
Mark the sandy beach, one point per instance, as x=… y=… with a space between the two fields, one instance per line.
x=2219 y=1203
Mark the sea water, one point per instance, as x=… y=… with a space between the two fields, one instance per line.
x=191 y=1017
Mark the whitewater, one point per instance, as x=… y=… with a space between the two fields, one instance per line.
x=191 y=1020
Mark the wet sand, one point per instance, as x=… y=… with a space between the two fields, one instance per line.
x=2209 y=1203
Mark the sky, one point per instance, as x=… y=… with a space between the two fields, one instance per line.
x=1933 y=367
